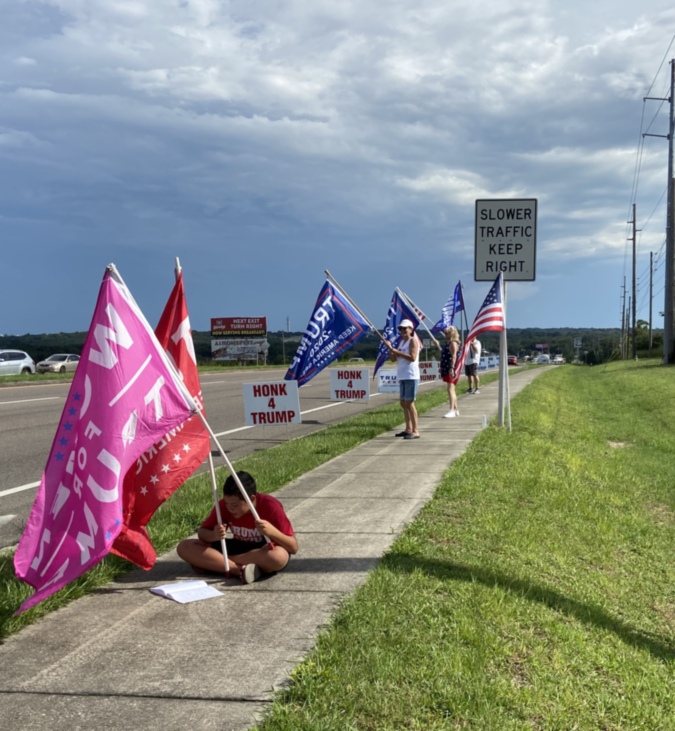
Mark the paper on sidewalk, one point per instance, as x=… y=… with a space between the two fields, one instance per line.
x=187 y=591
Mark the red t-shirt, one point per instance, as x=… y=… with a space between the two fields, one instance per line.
x=243 y=529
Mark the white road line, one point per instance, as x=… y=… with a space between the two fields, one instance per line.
x=6 y=518
x=21 y=488
x=28 y=400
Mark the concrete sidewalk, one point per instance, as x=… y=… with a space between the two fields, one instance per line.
x=125 y=658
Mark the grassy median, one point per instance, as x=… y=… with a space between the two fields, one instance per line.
x=535 y=591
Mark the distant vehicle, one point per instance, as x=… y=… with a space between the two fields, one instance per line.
x=356 y=360
x=59 y=363
x=15 y=362
x=512 y=360
x=543 y=358
x=558 y=359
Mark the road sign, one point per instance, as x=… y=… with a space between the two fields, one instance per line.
x=506 y=239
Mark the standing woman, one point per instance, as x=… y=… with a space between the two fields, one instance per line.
x=449 y=374
x=406 y=356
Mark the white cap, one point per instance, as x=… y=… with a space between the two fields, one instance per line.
x=406 y=323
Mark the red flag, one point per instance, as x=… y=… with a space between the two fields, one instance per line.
x=489 y=317
x=162 y=469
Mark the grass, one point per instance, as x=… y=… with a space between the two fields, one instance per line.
x=535 y=591
x=181 y=515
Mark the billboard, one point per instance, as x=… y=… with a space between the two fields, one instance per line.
x=238 y=327
x=239 y=348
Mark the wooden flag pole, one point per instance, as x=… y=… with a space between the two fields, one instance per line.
x=353 y=304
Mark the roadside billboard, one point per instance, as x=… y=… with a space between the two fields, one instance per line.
x=238 y=327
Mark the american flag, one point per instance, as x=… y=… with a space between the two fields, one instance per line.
x=489 y=317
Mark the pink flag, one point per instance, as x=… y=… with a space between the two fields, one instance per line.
x=123 y=398
x=163 y=468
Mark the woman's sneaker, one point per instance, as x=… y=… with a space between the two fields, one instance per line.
x=451 y=414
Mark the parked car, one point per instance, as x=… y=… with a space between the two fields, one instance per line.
x=512 y=360
x=59 y=363
x=356 y=360
x=543 y=358
x=558 y=359
x=15 y=362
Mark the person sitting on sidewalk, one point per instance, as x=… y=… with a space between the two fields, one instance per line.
x=249 y=555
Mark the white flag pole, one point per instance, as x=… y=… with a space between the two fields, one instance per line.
x=212 y=470
x=415 y=307
x=353 y=304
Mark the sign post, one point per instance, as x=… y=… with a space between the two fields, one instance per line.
x=506 y=242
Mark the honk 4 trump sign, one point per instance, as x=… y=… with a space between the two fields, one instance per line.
x=276 y=402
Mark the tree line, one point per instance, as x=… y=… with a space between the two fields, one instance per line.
x=598 y=345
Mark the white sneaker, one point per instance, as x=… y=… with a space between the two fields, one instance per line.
x=450 y=415
x=250 y=573
x=477 y=390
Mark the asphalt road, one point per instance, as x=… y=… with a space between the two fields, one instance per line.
x=29 y=415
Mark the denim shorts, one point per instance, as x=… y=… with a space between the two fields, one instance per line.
x=408 y=389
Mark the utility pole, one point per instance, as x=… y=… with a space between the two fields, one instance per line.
x=634 y=325
x=623 y=321
x=651 y=285
x=669 y=294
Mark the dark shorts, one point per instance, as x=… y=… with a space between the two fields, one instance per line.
x=471 y=369
x=235 y=547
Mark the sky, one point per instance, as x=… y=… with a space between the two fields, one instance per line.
x=262 y=143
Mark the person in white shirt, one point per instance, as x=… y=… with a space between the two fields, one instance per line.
x=406 y=356
x=471 y=363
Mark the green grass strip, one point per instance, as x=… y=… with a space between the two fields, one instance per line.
x=535 y=591
x=182 y=514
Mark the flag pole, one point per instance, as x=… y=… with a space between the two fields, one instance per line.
x=353 y=304
x=212 y=470
x=415 y=307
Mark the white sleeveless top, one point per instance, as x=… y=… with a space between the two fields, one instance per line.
x=407 y=370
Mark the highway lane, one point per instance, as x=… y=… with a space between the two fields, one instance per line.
x=29 y=416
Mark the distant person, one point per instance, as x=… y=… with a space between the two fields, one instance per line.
x=471 y=363
x=249 y=555
x=406 y=356
x=449 y=374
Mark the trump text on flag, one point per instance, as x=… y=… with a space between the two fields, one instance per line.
x=269 y=403
x=349 y=384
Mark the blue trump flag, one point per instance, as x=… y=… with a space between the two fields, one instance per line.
x=454 y=305
x=334 y=327
x=398 y=310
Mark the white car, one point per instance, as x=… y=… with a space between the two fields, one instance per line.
x=15 y=362
x=543 y=358
x=59 y=363
x=558 y=360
